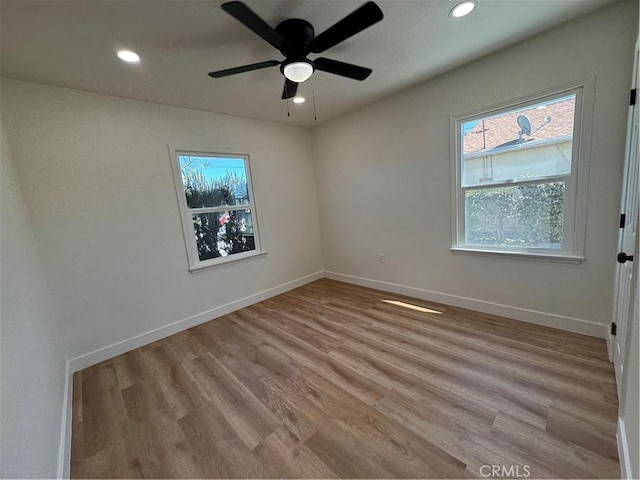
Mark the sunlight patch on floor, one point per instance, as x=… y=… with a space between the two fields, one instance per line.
x=411 y=306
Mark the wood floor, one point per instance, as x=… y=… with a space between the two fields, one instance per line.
x=332 y=381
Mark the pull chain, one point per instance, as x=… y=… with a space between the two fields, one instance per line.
x=313 y=94
x=286 y=94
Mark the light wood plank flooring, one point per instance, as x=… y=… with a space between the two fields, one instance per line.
x=332 y=381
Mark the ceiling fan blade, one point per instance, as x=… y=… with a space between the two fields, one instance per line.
x=244 y=68
x=343 y=69
x=362 y=18
x=253 y=22
x=290 y=89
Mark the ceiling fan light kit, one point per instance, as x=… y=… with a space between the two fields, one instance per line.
x=298 y=71
x=295 y=39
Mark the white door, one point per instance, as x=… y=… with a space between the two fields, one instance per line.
x=627 y=256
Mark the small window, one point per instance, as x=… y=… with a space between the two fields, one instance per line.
x=217 y=207
x=517 y=171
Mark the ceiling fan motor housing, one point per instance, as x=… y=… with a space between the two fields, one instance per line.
x=298 y=34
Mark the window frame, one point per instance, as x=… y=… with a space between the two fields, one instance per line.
x=194 y=262
x=576 y=183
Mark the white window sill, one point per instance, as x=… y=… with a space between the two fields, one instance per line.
x=224 y=261
x=545 y=257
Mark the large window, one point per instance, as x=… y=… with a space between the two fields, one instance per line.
x=516 y=178
x=217 y=207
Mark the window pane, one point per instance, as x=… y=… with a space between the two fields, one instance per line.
x=214 y=181
x=516 y=216
x=532 y=142
x=221 y=234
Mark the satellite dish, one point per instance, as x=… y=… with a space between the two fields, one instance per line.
x=525 y=124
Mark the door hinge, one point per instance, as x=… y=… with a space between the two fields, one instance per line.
x=623 y=219
x=632 y=98
x=614 y=328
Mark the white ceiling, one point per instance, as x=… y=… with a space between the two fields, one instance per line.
x=72 y=43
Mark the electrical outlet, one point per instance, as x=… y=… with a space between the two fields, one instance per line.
x=381 y=258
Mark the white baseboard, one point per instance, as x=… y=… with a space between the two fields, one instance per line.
x=115 y=349
x=540 y=318
x=623 y=450
x=64 y=455
x=124 y=346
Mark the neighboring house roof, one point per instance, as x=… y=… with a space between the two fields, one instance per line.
x=496 y=131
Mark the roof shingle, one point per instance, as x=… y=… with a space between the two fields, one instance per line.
x=493 y=132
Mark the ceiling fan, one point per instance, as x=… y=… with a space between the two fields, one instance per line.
x=295 y=39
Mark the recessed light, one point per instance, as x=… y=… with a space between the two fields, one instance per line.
x=463 y=8
x=128 y=56
x=298 y=99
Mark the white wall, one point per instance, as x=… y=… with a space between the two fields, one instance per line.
x=32 y=363
x=384 y=177
x=97 y=180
